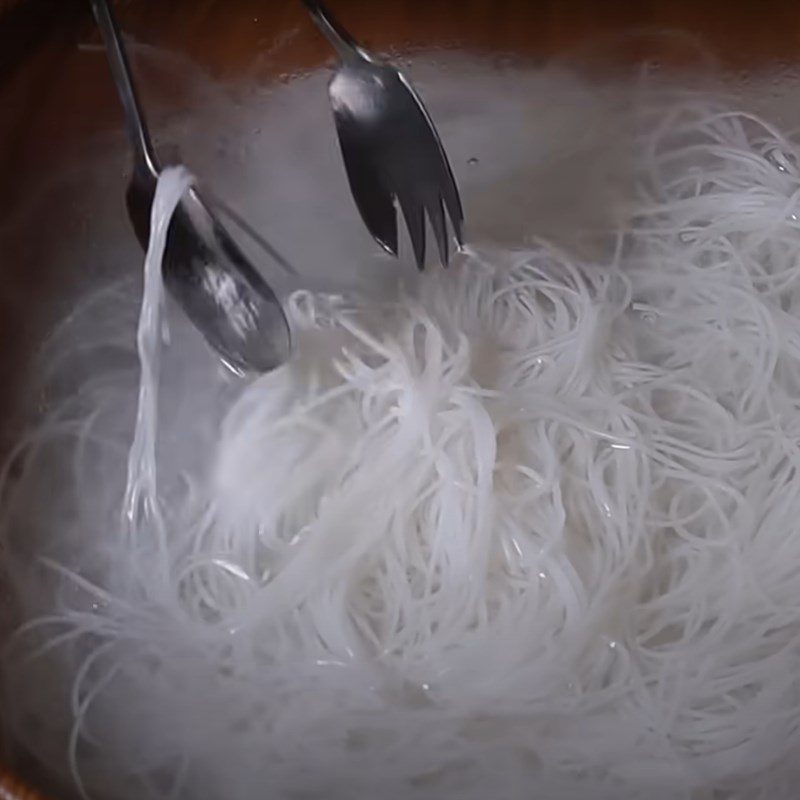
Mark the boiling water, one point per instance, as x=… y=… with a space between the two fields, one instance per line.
x=523 y=527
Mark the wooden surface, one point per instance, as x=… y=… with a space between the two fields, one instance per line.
x=12 y=788
x=55 y=92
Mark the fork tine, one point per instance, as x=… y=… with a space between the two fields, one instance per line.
x=447 y=181
x=379 y=215
x=414 y=214
x=439 y=224
x=452 y=200
x=374 y=203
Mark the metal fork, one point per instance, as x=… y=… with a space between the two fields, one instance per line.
x=204 y=269
x=391 y=150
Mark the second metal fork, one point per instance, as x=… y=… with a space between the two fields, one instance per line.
x=391 y=150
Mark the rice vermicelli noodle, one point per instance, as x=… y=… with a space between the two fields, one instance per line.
x=523 y=527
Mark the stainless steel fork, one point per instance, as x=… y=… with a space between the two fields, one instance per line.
x=391 y=150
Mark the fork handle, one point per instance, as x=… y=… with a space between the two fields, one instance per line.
x=144 y=154
x=344 y=44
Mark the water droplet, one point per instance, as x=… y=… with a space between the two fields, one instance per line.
x=472 y=161
x=781 y=160
x=542 y=576
x=612 y=644
x=426 y=687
